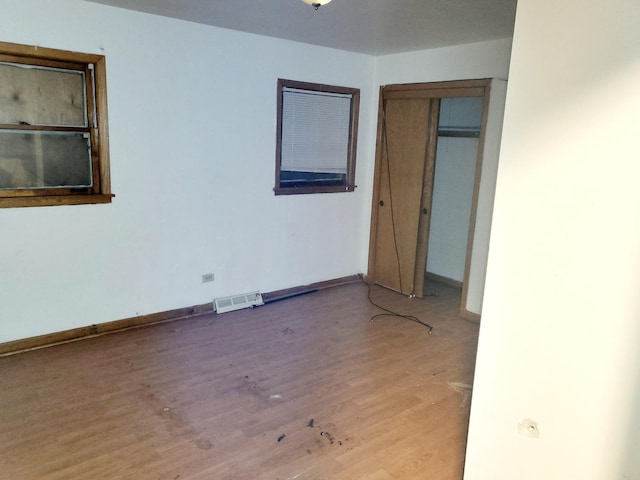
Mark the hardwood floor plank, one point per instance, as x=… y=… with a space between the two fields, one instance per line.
x=307 y=388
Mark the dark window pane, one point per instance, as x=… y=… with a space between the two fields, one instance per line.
x=291 y=179
x=44 y=160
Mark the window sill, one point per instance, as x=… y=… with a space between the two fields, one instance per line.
x=54 y=200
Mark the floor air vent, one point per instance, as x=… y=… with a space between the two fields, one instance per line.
x=236 y=302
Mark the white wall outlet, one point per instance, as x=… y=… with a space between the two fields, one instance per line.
x=208 y=277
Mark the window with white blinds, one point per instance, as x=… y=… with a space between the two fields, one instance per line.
x=316 y=141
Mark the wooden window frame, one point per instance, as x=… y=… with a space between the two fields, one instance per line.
x=349 y=185
x=97 y=127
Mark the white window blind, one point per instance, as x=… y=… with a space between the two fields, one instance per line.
x=315 y=131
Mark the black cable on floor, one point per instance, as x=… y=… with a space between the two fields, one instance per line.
x=391 y=313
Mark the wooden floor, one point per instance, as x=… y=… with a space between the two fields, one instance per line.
x=305 y=388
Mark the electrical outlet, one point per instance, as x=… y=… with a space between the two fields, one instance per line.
x=208 y=277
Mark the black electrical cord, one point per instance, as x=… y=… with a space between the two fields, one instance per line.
x=393 y=220
x=391 y=313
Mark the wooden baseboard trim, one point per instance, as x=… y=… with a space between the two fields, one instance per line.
x=439 y=278
x=65 y=336
x=467 y=315
x=75 y=334
x=301 y=290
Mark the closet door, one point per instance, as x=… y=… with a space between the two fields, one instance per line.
x=403 y=181
x=402 y=198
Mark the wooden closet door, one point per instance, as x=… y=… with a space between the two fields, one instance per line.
x=404 y=183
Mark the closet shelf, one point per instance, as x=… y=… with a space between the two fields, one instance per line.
x=462 y=132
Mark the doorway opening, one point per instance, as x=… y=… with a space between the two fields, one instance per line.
x=456 y=158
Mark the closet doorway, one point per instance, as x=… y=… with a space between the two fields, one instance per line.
x=424 y=130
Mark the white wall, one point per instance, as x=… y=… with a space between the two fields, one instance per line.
x=486 y=194
x=561 y=317
x=192 y=134
x=451 y=206
x=473 y=61
x=462 y=62
x=453 y=183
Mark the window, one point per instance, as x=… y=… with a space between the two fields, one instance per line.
x=316 y=138
x=53 y=127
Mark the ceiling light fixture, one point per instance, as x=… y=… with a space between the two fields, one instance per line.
x=316 y=3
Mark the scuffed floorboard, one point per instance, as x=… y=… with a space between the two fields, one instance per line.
x=307 y=388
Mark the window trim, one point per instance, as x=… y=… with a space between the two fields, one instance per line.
x=96 y=106
x=353 y=136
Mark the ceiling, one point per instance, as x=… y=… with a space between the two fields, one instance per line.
x=374 y=27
